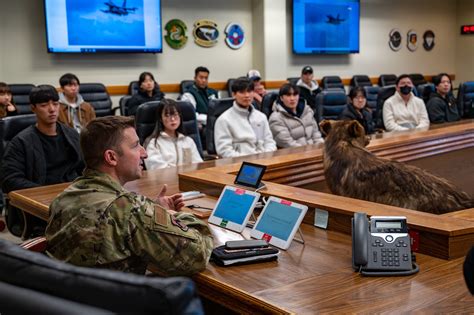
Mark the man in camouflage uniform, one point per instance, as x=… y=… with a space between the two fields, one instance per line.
x=95 y=222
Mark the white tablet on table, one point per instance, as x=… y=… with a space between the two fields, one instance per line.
x=278 y=222
x=234 y=207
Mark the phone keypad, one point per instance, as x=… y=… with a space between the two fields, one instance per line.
x=394 y=255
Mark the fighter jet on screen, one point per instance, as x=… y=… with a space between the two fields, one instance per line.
x=334 y=20
x=115 y=9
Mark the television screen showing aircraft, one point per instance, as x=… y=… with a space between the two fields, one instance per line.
x=334 y=20
x=115 y=9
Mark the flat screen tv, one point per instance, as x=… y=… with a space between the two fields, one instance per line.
x=91 y=26
x=326 y=26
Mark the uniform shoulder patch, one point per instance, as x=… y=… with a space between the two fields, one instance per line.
x=178 y=223
x=161 y=216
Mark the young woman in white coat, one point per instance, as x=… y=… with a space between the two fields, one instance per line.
x=167 y=146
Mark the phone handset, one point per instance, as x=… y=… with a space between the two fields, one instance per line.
x=381 y=247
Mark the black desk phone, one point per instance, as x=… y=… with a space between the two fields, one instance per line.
x=381 y=247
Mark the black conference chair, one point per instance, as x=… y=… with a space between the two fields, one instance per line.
x=372 y=93
x=185 y=85
x=145 y=119
x=267 y=103
x=123 y=104
x=384 y=94
x=465 y=99
x=424 y=91
x=96 y=94
x=417 y=79
x=330 y=103
x=190 y=125
x=387 y=79
x=293 y=80
x=229 y=86
x=361 y=80
x=31 y=282
x=215 y=109
x=133 y=88
x=331 y=82
x=21 y=97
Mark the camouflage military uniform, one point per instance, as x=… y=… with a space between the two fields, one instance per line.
x=95 y=222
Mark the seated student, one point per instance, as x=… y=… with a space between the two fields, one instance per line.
x=358 y=110
x=167 y=146
x=149 y=91
x=7 y=108
x=403 y=110
x=258 y=88
x=96 y=222
x=242 y=129
x=309 y=88
x=73 y=112
x=292 y=121
x=199 y=94
x=43 y=154
x=442 y=105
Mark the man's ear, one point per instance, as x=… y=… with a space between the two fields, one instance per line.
x=355 y=129
x=325 y=127
x=110 y=157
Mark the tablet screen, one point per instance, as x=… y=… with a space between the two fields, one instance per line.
x=278 y=220
x=250 y=174
x=234 y=206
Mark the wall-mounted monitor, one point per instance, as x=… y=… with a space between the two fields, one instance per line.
x=326 y=26
x=92 y=26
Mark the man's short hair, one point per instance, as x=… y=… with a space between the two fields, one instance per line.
x=103 y=134
x=43 y=94
x=288 y=88
x=200 y=69
x=68 y=78
x=437 y=79
x=242 y=84
x=401 y=77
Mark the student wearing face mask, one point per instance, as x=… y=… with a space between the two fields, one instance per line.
x=404 y=111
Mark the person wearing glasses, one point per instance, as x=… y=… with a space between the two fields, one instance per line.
x=167 y=146
x=357 y=109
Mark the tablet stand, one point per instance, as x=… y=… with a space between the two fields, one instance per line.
x=301 y=235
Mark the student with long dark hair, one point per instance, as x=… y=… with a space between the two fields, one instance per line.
x=358 y=110
x=149 y=91
x=7 y=107
x=167 y=146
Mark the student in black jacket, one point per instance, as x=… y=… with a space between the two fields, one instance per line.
x=358 y=110
x=149 y=91
x=442 y=106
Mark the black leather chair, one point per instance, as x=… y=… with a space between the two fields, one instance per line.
x=11 y=126
x=215 y=109
x=372 y=93
x=229 y=86
x=424 y=91
x=384 y=94
x=123 y=104
x=293 y=80
x=361 y=80
x=417 y=79
x=96 y=94
x=330 y=104
x=387 y=79
x=145 y=119
x=133 y=88
x=185 y=85
x=21 y=97
x=331 y=82
x=466 y=99
x=71 y=289
x=267 y=103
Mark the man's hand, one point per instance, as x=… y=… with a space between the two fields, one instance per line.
x=173 y=202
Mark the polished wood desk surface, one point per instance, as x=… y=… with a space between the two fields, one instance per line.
x=312 y=278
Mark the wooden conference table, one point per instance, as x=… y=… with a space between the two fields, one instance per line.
x=317 y=276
